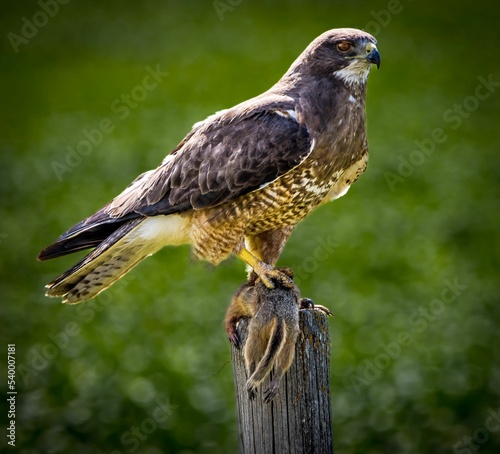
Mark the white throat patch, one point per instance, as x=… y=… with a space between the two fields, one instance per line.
x=356 y=73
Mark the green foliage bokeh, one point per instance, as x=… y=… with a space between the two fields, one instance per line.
x=408 y=260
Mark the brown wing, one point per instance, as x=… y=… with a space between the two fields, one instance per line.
x=219 y=161
x=224 y=157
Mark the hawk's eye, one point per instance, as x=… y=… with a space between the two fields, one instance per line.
x=344 y=46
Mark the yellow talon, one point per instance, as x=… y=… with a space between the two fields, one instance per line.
x=266 y=272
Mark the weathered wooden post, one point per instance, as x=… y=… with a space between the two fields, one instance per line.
x=298 y=420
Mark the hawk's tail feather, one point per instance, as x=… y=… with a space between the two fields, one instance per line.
x=107 y=263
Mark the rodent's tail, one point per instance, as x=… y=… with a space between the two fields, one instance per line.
x=274 y=347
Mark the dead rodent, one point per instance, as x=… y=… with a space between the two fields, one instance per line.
x=272 y=331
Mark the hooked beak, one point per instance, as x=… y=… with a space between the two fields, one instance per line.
x=372 y=54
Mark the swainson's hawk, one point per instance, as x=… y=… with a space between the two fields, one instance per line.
x=242 y=179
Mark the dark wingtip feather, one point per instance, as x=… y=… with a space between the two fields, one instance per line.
x=49 y=252
x=60 y=249
x=84 y=235
x=42 y=255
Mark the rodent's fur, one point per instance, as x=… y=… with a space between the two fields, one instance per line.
x=272 y=332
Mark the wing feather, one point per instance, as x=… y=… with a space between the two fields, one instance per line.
x=229 y=155
x=224 y=157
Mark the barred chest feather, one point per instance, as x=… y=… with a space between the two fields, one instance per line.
x=296 y=195
x=285 y=202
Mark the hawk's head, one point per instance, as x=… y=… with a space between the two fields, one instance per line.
x=345 y=53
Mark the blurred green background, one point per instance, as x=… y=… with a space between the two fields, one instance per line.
x=408 y=260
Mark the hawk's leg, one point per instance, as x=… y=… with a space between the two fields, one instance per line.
x=267 y=273
x=267 y=247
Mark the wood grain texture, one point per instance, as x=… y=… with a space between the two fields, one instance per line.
x=298 y=420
